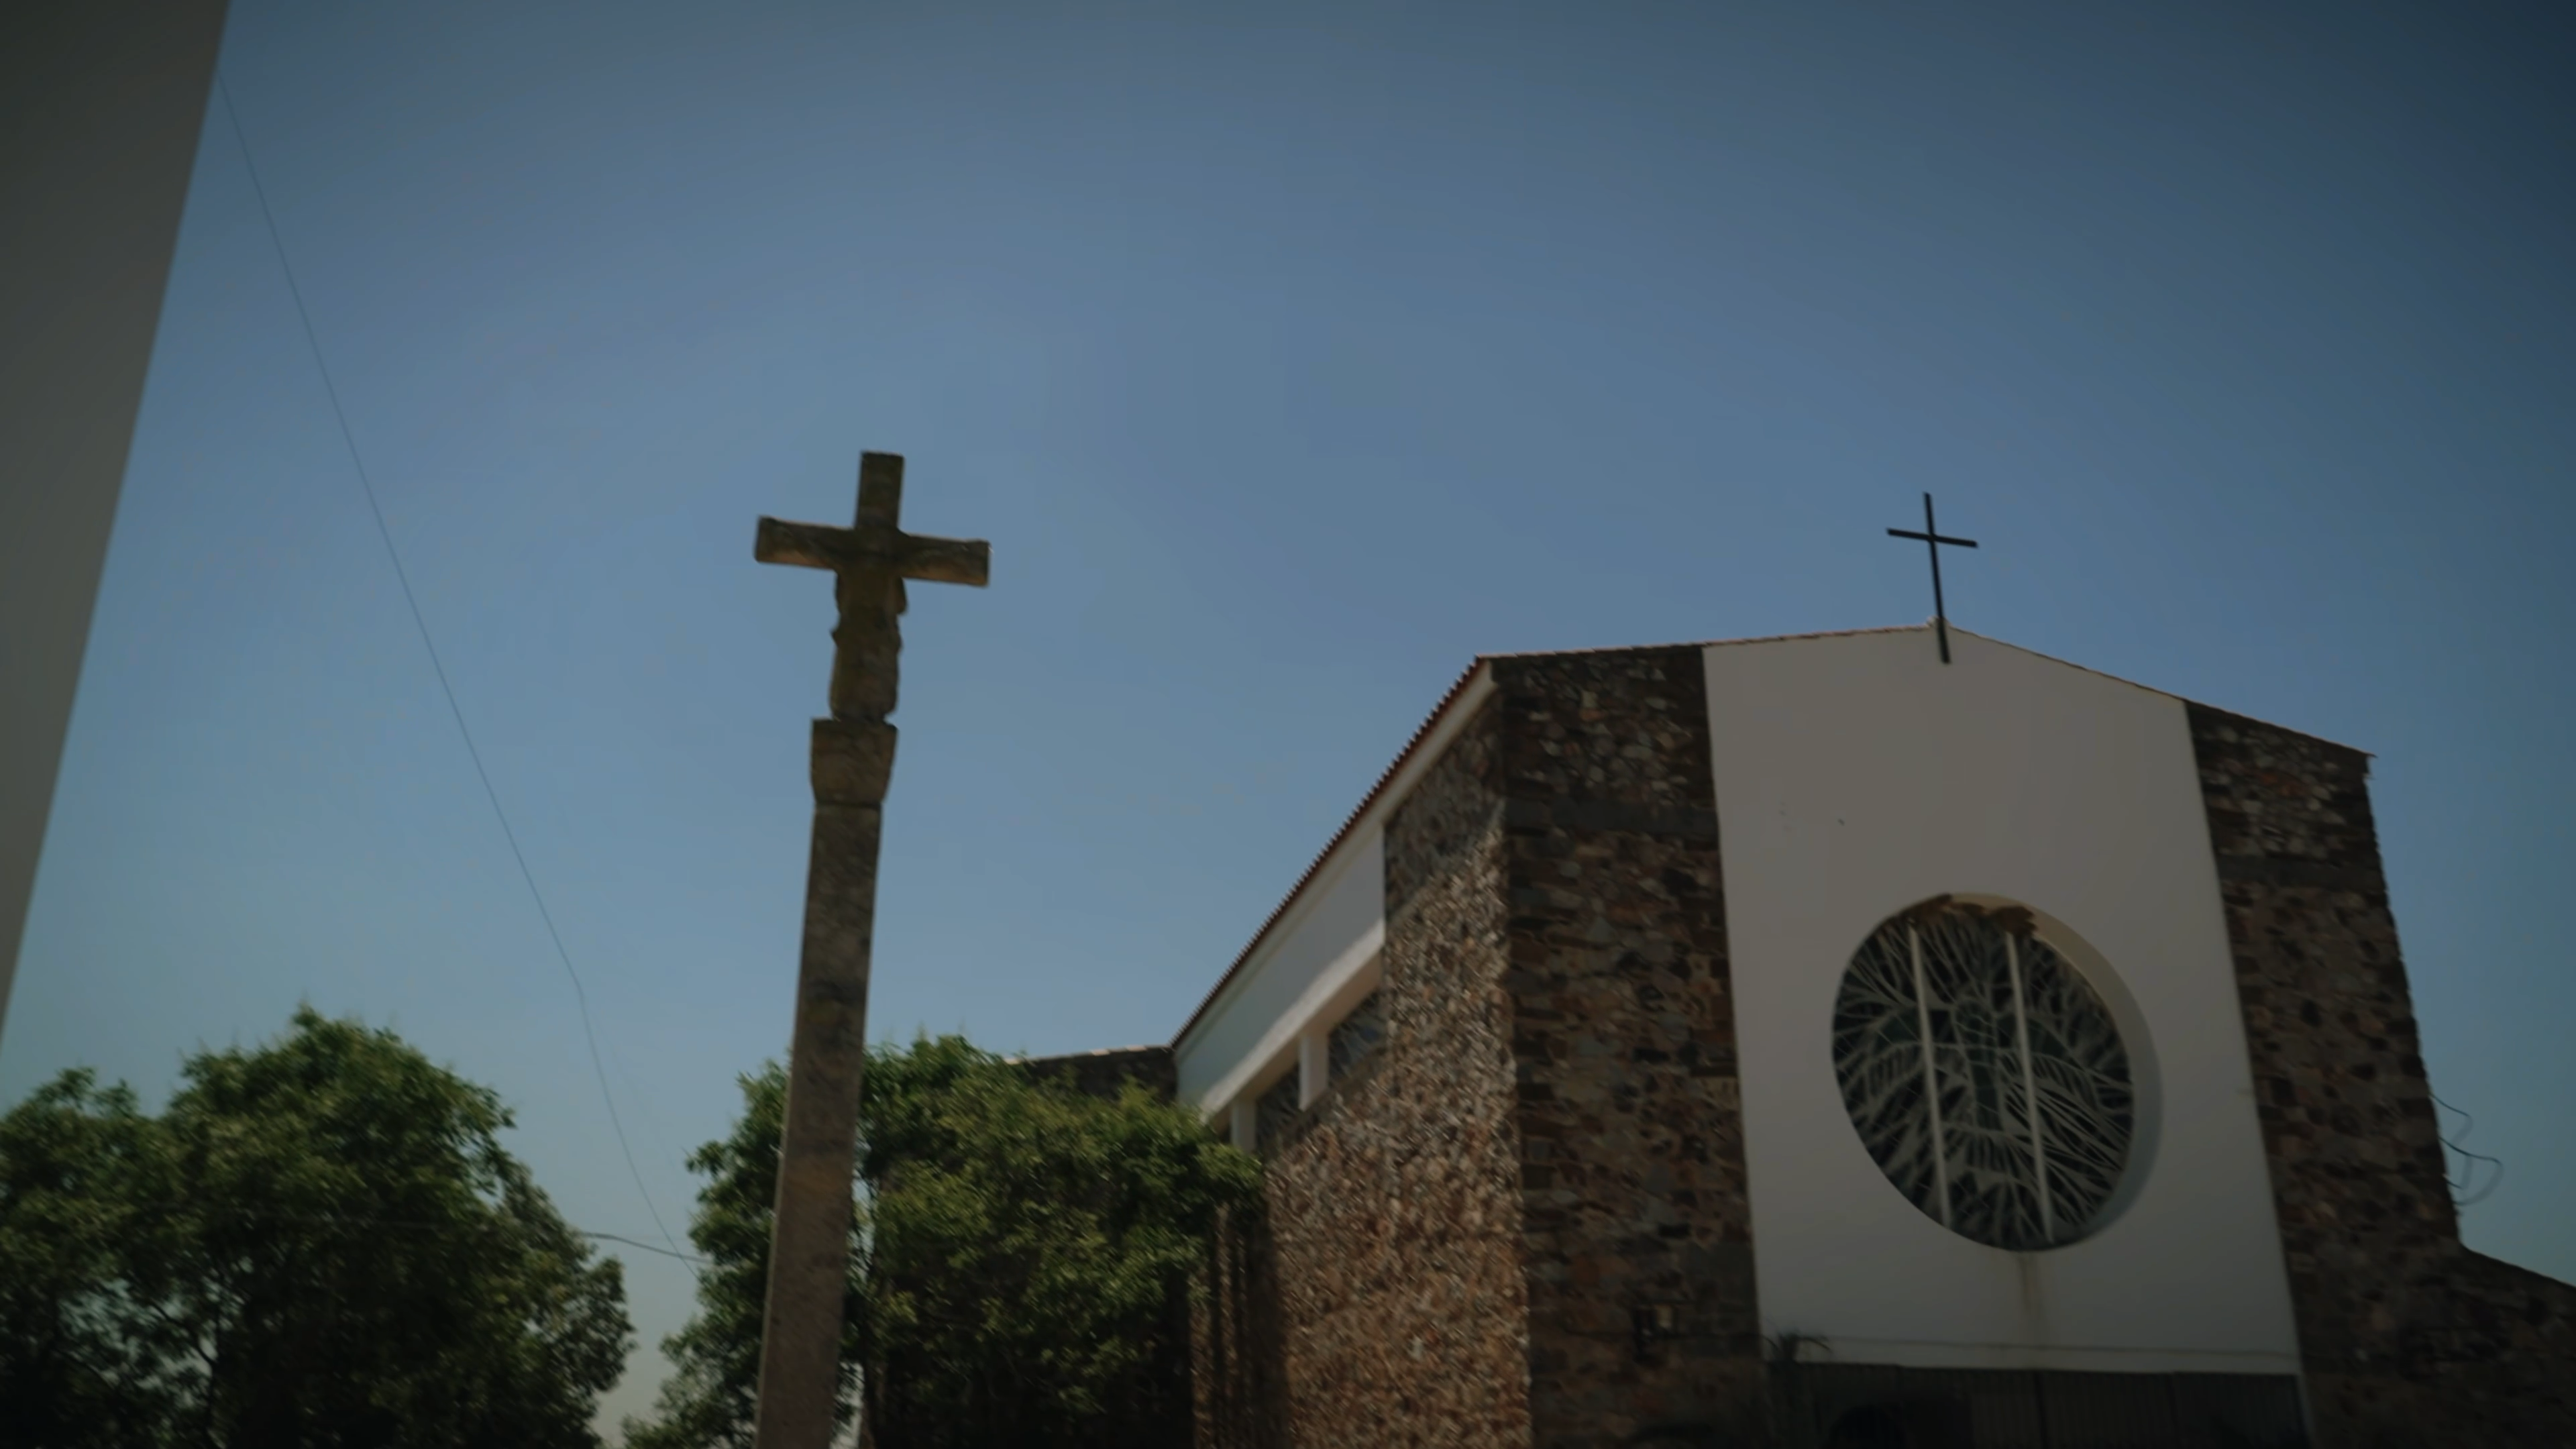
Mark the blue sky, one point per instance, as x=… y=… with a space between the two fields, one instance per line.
x=1289 y=356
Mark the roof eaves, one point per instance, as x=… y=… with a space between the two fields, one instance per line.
x=2167 y=693
x=1701 y=643
x=1459 y=687
x=1925 y=628
x=1385 y=779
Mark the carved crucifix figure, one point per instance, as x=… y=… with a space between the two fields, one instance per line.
x=853 y=755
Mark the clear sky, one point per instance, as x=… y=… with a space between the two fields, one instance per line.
x=1289 y=356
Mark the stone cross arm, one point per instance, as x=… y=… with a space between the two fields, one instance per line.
x=869 y=560
x=874 y=539
x=914 y=556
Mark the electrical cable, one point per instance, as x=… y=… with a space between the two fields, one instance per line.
x=647 y=1247
x=349 y=1220
x=2468 y=1125
x=580 y=996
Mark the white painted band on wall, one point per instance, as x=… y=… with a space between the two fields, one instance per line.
x=1334 y=991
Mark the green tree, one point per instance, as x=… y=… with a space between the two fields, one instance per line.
x=320 y=1242
x=1017 y=1255
x=88 y=1351
x=708 y=1400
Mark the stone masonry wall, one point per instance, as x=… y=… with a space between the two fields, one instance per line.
x=1239 y=1397
x=2409 y=1338
x=1637 y=1231
x=1106 y=1073
x=1390 y=1249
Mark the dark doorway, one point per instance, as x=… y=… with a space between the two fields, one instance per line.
x=1913 y=1422
x=1882 y=1406
x=1870 y=1428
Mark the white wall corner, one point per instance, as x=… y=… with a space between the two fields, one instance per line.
x=1314 y=1065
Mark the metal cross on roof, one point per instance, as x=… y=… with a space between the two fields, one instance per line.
x=1932 y=541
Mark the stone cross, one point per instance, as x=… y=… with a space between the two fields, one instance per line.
x=1933 y=538
x=853 y=755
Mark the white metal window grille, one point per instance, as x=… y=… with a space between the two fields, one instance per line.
x=1986 y=1078
x=1275 y=1111
x=1357 y=1034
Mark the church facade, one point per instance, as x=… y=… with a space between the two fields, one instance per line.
x=1808 y=1041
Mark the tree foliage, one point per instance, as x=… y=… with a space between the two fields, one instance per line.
x=320 y=1242
x=1017 y=1255
x=709 y=1399
x=87 y=1355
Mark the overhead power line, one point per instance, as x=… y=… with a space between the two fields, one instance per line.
x=647 y=1247
x=2460 y=1186
x=359 y=1220
x=580 y=997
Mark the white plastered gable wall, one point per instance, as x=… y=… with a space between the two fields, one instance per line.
x=1857 y=775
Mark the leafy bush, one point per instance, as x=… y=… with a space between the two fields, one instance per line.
x=1016 y=1258
x=319 y=1243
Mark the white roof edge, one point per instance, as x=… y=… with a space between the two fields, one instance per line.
x=1426 y=747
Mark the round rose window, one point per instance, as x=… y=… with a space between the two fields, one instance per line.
x=1985 y=1077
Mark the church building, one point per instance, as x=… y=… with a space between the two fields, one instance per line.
x=1820 y=1041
